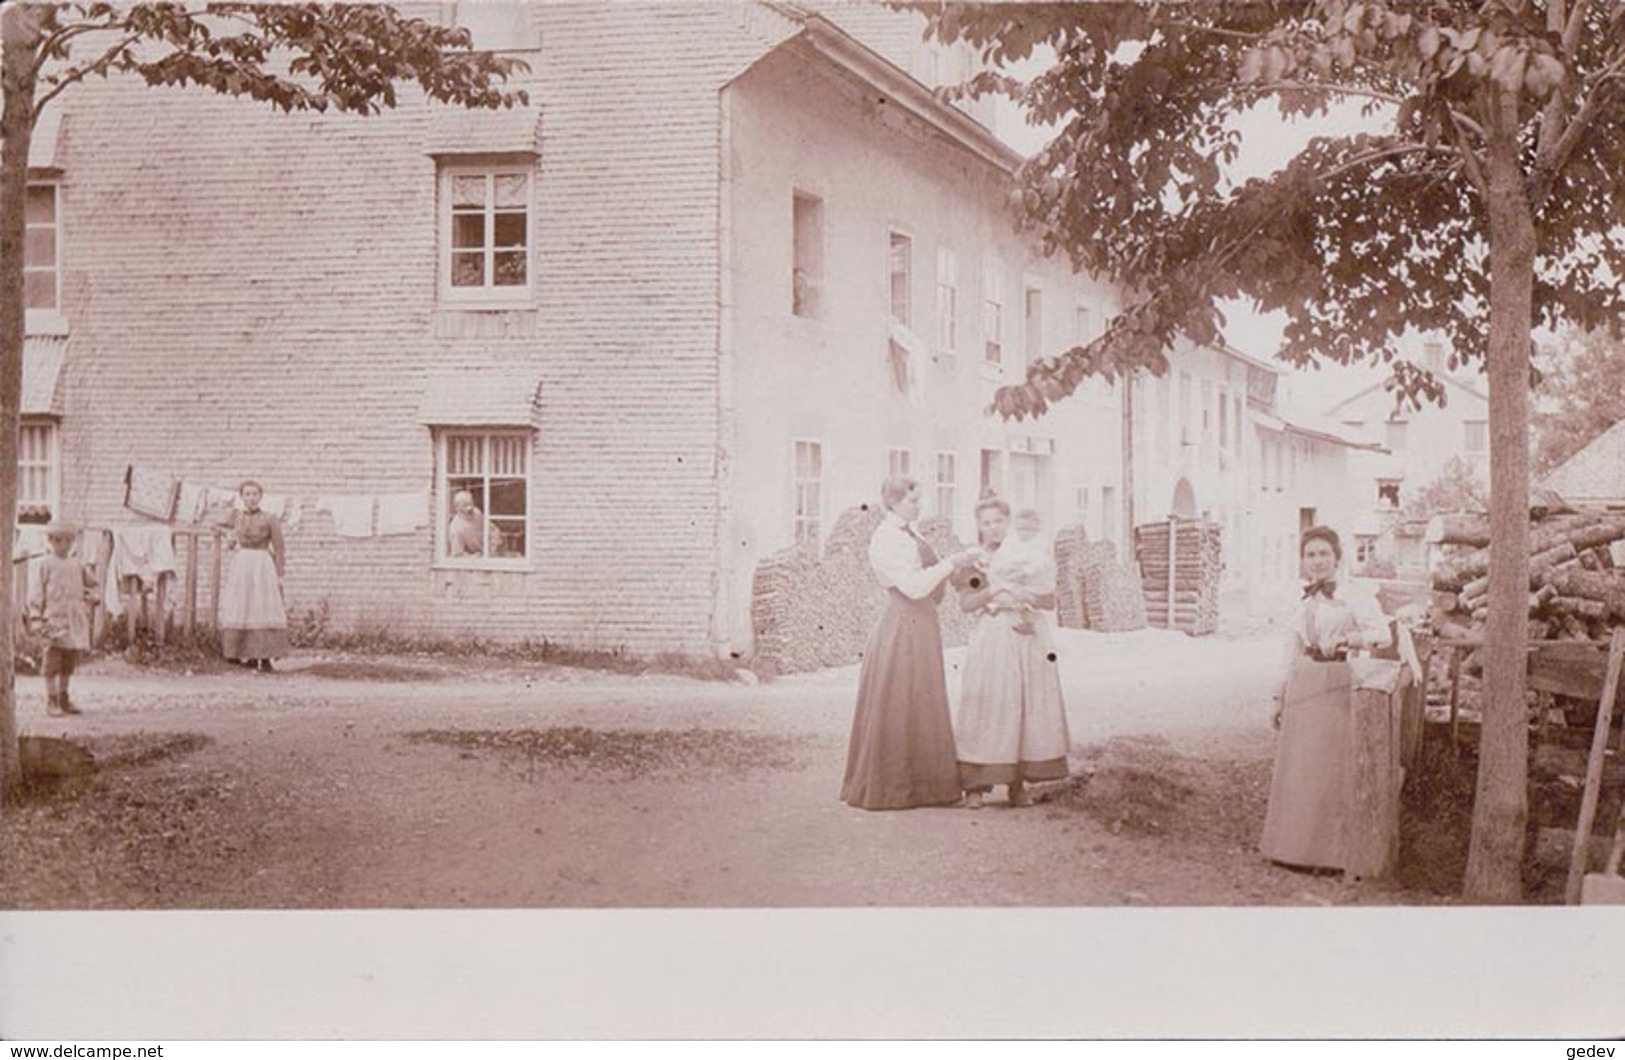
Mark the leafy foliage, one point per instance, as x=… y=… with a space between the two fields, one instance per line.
x=1359 y=237
x=1459 y=488
x=1581 y=395
x=347 y=57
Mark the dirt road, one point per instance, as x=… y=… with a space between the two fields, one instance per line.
x=409 y=783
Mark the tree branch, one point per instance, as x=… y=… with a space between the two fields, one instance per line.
x=1334 y=89
x=1550 y=162
x=1197 y=27
x=1373 y=157
x=76 y=74
x=1571 y=32
x=67 y=33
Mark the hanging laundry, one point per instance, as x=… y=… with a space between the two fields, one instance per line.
x=149 y=492
x=352 y=516
x=403 y=513
x=189 y=504
x=146 y=553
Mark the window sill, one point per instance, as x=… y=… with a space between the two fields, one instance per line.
x=487 y=566
x=45 y=322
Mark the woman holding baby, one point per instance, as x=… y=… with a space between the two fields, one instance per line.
x=1012 y=720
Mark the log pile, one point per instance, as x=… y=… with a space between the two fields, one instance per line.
x=1575 y=590
x=1180 y=562
x=1111 y=593
x=1070 y=543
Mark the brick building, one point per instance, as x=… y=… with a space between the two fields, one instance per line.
x=729 y=268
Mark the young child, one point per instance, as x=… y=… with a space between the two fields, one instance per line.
x=1023 y=561
x=59 y=610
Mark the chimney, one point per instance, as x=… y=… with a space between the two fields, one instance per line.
x=1433 y=357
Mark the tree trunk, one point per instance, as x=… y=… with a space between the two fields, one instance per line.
x=1501 y=806
x=19 y=34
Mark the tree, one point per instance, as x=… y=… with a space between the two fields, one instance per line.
x=1491 y=202
x=1459 y=488
x=1581 y=394
x=297 y=57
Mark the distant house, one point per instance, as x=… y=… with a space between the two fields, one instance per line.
x=1594 y=477
x=1414 y=449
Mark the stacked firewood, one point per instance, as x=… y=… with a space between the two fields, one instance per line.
x=1070 y=543
x=1180 y=563
x=1576 y=592
x=1111 y=593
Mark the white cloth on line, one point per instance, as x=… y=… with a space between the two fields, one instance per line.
x=145 y=552
x=189 y=507
x=402 y=513
x=352 y=516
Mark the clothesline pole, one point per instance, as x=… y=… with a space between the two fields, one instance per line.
x=214 y=584
x=192 y=540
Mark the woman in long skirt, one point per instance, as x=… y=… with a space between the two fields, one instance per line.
x=902 y=751
x=1012 y=726
x=1306 y=824
x=253 y=621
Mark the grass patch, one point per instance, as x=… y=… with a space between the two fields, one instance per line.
x=620 y=753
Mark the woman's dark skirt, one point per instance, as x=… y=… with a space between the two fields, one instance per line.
x=902 y=753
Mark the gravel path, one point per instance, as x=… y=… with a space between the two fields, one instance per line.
x=411 y=783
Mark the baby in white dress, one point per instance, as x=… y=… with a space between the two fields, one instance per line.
x=1023 y=561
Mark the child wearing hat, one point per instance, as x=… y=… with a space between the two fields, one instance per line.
x=59 y=610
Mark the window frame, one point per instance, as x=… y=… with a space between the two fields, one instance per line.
x=807 y=260
x=798 y=518
x=487 y=296
x=45 y=319
x=947 y=291
x=443 y=494
x=906 y=319
x=949 y=485
x=900 y=461
x=52 y=464
x=1467 y=428
x=993 y=313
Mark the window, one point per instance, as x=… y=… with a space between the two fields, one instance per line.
x=947 y=483
x=1109 y=514
x=947 y=301
x=1186 y=436
x=485 y=483
x=1224 y=421
x=899 y=462
x=809 y=490
x=487 y=232
x=1207 y=411
x=992 y=471
x=1083 y=325
x=1280 y=466
x=807 y=255
x=1033 y=322
x=1165 y=417
x=41 y=244
x=993 y=312
x=1477 y=436
x=1235 y=405
x=1083 y=506
x=1388 y=492
x=900 y=256
x=1396 y=432
x=37 y=465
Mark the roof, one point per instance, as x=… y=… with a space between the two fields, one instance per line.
x=482 y=398
x=1313 y=427
x=1247 y=358
x=1596 y=472
x=900 y=87
x=1447 y=380
x=42 y=376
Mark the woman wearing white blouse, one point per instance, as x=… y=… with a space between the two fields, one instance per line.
x=902 y=752
x=1305 y=824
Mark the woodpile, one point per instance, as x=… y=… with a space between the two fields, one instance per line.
x=1070 y=543
x=1112 y=602
x=1575 y=591
x=1180 y=562
x=811 y=609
